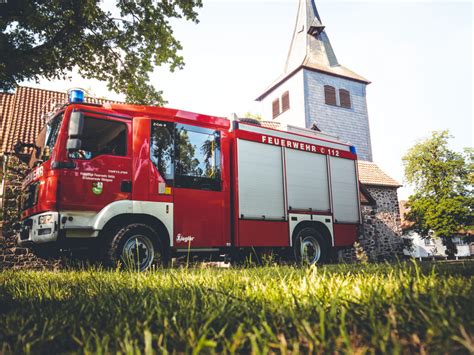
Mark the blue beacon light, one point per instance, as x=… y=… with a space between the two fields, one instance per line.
x=353 y=149
x=76 y=96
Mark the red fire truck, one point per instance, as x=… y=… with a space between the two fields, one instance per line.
x=146 y=184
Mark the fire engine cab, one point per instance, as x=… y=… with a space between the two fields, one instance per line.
x=146 y=183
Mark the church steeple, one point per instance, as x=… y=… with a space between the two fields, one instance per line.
x=315 y=89
x=310 y=46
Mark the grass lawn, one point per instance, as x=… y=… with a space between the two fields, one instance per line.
x=336 y=308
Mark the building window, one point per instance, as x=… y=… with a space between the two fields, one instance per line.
x=285 y=101
x=330 y=95
x=345 y=98
x=276 y=107
x=428 y=241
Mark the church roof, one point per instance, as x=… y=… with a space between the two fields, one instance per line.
x=311 y=49
x=370 y=174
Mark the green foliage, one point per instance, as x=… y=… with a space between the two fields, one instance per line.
x=443 y=197
x=50 y=38
x=255 y=116
x=361 y=255
x=331 y=309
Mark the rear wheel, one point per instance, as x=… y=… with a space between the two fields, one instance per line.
x=310 y=247
x=136 y=246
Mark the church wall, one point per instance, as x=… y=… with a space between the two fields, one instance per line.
x=296 y=114
x=382 y=233
x=351 y=125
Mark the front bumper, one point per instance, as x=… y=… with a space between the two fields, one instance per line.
x=32 y=232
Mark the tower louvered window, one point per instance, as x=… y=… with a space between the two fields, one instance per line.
x=276 y=107
x=285 y=101
x=345 y=98
x=330 y=95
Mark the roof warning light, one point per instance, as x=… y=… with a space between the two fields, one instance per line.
x=76 y=96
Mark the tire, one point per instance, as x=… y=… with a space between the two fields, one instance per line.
x=310 y=247
x=136 y=246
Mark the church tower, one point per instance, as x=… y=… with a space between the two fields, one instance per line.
x=315 y=90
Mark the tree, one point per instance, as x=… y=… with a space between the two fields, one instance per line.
x=255 y=116
x=443 y=198
x=48 y=39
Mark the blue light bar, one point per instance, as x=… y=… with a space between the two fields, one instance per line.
x=76 y=96
x=353 y=149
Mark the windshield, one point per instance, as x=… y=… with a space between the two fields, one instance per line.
x=47 y=139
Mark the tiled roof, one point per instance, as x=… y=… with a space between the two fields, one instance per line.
x=6 y=106
x=270 y=124
x=21 y=114
x=370 y=174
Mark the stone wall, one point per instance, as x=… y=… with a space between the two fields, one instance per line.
x=12 y=256
x=381 y=239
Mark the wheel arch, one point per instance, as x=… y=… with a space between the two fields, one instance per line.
x=122 y=220
x=319 y=226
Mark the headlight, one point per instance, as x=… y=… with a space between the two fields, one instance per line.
x=45 y=219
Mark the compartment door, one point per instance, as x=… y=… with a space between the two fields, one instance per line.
x=345 y=191
x=262 y=213
x=307 y=181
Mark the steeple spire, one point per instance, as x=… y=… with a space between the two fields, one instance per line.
x=310 y=46
x=313 y=21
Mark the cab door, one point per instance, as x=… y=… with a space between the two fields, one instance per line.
x=102 y=167
x=199 y=195
x=189 y=163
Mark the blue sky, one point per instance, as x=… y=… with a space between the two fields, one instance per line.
x=418 y=56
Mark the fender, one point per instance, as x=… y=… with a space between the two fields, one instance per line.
x=93 y=222
x=296 y=219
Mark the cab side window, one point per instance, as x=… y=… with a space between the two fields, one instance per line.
x=186 y=156
x=102 y=137
x=162 y=149
x=198 y=155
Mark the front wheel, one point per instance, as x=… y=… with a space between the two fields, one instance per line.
x=135 y=246
x=310 y=247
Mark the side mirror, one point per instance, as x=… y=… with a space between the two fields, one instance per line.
x=76 y=124
x=73 y=144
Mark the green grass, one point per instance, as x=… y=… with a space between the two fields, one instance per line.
x=402 y=308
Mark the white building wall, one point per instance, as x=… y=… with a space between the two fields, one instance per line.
x=296 y=114
x=433 y=247
x=350 y=124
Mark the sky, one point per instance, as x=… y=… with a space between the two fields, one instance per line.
x=417 y=54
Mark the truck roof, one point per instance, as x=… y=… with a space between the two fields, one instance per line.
x=135 y=111
x=144 y=111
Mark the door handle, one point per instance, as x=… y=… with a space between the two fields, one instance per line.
x=126 y=186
